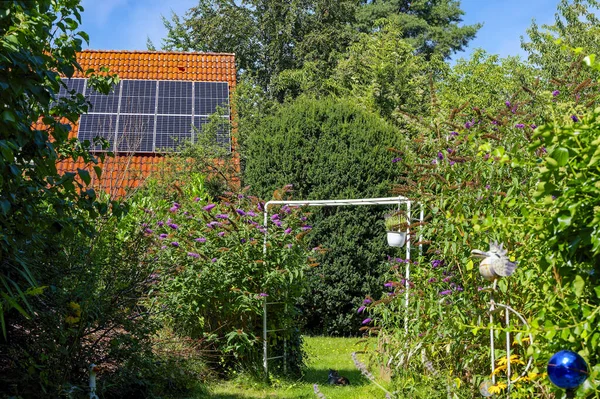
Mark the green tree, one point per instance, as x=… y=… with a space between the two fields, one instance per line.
x=431 y=27
x=267 y=36
x=549 y=46
x=330 y=149
x=38 y=43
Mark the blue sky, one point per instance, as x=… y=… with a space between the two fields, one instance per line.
x=125 y=24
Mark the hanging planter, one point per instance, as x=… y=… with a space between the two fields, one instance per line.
x=396 y=230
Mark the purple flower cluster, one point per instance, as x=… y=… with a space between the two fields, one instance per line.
x=555 y=93
x=222 y=216
x=175 y=207
x=437 y=263
x=240 y=212
x=361 y=309
x=173 y=226
x=395 y=160
x=200 y=239
x=519 y=126
x=575 y=118
x=209 y=207
x=305 y=228
x=367 y=320
x=193 y=255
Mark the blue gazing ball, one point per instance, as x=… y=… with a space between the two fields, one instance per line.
x=567 y=369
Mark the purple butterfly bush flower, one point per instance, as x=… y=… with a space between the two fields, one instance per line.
x=487 y=186
x=277 y=223
x=507 y=103
x=446 y=292
x=361 y=309
x=305 y=228
x=469 y=124
x=458 y=288
x=395 y=160
x=286 y=209
x=289 y=246
x=197 y=199
x=251 y=214
x=303 y=219
x=555 y=93
x=367 y=301
x=193 y=255
x=367 y=320
x=451 y=163
x=213 y=260
x=275 y=217
x=486 y=156
x=160 y=223
x=389 y=284
x=288 y=230
x=209 y=207
x=173 y=226
x=434 y=162
x=240 y=212
x=437 y=263
x=221 y=234
x=222 y=216
x=175 y=244
x=163 y=236
x=450 y=150
x=148 y=231
x=446 y=279
x=200 y=239
x=263 y=295
x=453 y=134
x=440 y=156
x=242 y=240
x=519 y=126
x=575 y=118
x=432 y=280
x=240 y=196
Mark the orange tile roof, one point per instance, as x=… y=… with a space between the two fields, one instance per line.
x=124 y=172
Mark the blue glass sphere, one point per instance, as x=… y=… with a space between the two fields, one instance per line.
x=567 y=369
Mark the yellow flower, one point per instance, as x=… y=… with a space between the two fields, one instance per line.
x=499 y=387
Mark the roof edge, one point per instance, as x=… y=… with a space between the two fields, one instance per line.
x=154 y=52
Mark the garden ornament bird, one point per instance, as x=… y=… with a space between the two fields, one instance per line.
x=495 y=263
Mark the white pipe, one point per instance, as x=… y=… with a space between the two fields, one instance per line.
x=507 y=321
x=265 y=349
x=407 y=269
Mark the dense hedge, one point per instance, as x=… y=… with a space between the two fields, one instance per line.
x=331 y=149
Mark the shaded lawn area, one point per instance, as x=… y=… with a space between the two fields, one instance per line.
x=323 y=353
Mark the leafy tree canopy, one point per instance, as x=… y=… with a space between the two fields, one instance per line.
x=269 y=37
x=432 y=27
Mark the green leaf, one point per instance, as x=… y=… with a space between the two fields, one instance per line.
x=561 y=155
x=85 y=176
x=470 y=265
x=578 y=285
x=98 y=171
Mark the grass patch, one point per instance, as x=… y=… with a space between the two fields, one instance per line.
x=323 y=353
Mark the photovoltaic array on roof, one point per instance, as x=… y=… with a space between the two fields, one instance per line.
x=151 y=115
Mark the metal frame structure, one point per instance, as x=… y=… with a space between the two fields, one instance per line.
x=399 y=201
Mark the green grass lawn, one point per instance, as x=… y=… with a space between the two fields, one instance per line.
x=323 y=353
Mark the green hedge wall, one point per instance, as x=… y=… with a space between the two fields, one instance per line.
x=331 y=149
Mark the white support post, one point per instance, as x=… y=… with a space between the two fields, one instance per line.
x=407 y=269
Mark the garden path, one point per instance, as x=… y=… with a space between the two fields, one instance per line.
x=323 y=353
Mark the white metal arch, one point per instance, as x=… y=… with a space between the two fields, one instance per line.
x=400 y=201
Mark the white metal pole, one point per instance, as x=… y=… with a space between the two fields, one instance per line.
x=507 y=321
x=265 y=350
x=407 y=269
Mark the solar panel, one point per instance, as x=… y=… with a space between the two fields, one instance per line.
x=72 y=84
x=222 y=134
x=135 y=133
x=104 y=103
x=92 y=126
x=153 y=116
x=209 y=95
x=138 y=97
x=172 y=131
x=175 y=98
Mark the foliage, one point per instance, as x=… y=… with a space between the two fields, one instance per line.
x=330 y=149
x=267 y=36
x=549 y=48
x=37 y=45
x=476 y=172
x=89 y=310
x=431 y=27
x=211 y=276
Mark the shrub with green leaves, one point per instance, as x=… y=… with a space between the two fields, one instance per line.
x=330 y=149
x=212 y=277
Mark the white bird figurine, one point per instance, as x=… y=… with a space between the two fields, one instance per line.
x=495 y=263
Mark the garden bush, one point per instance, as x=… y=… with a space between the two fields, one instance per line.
x=496 y=176
x=330 y=149
x=211 y=276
